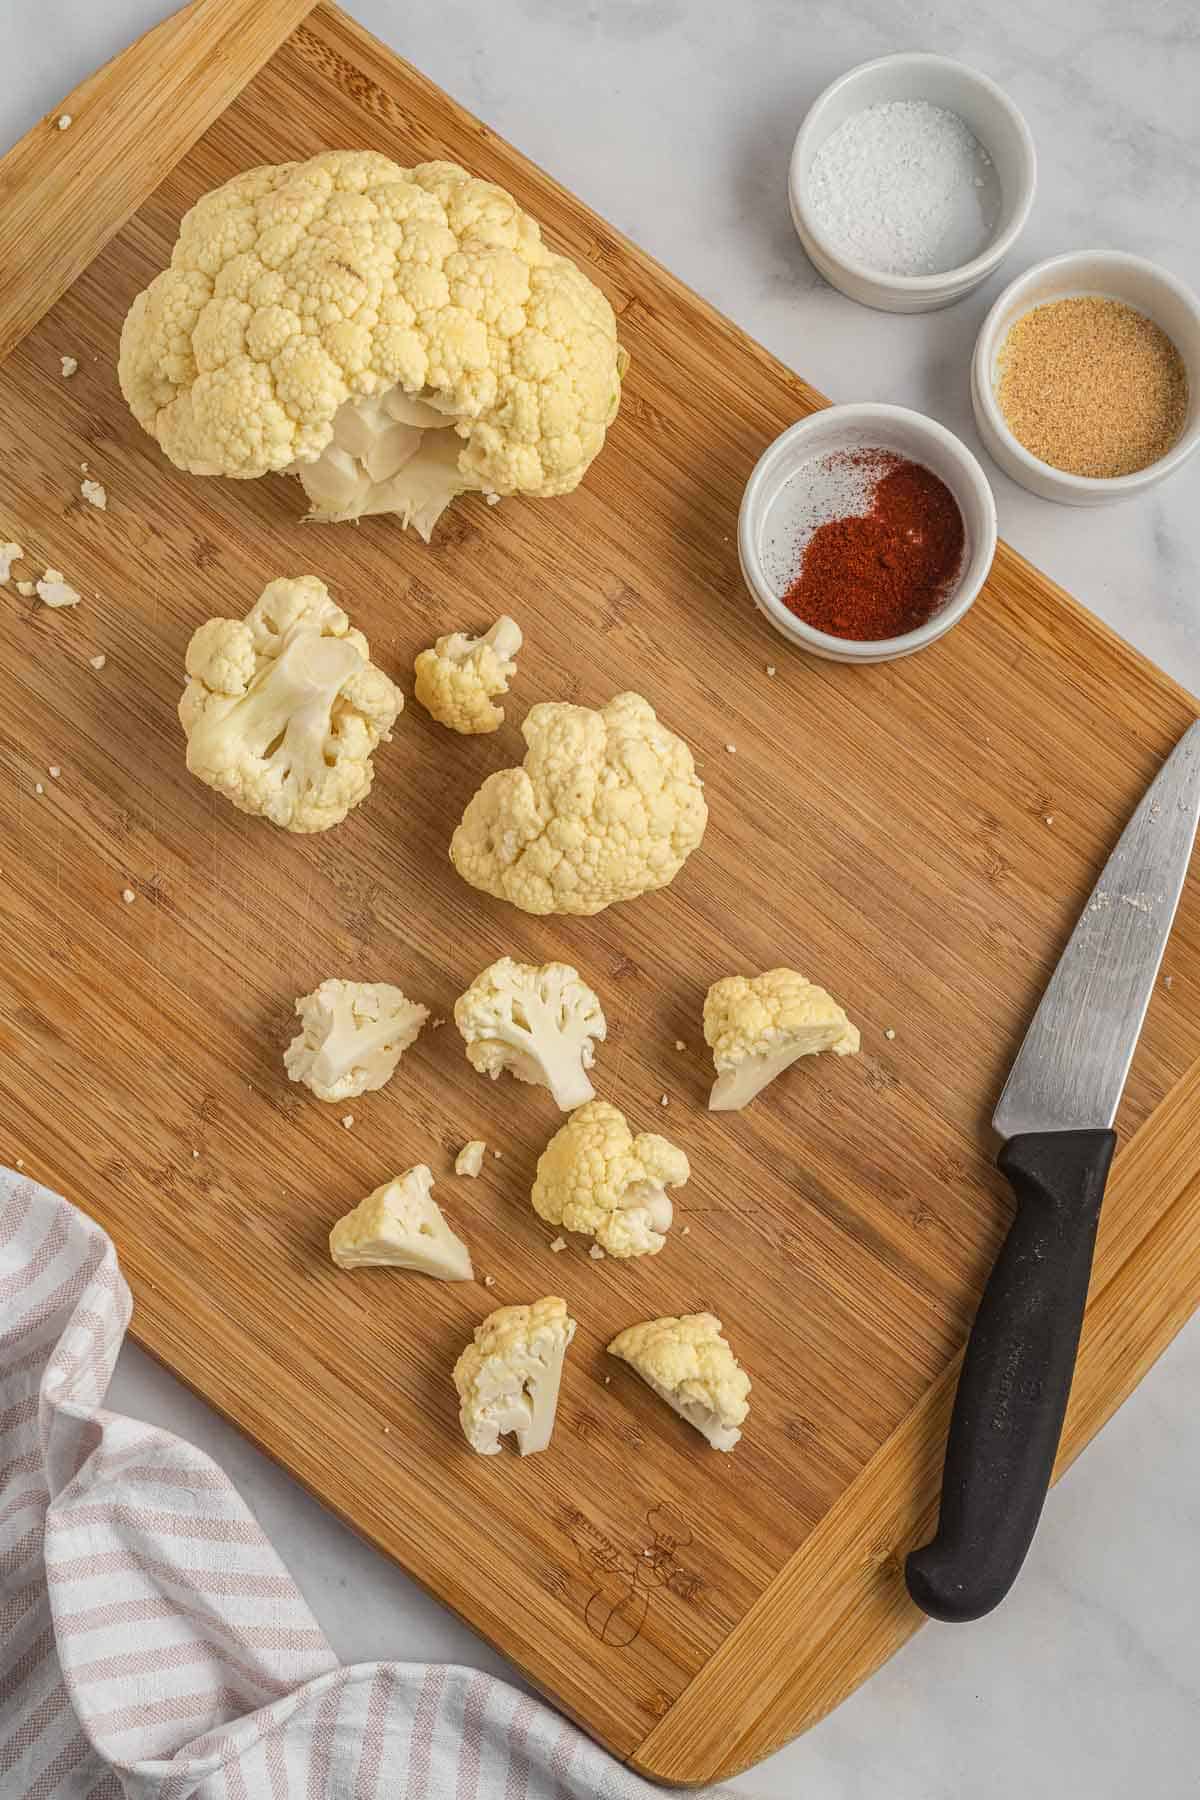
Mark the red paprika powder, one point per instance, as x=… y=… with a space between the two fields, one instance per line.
x=881 y=573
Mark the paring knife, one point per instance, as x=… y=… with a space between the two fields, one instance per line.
x=1056 y=1115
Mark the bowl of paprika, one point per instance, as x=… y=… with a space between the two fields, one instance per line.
x=866 y=532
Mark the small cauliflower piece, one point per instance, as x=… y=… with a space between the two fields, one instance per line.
x=9 y=554
x=393 y=336
x=469 y=1160
x=692 y=1367
x=458 y=677
x=53 y=590
x=758 y=1025
x=595 y=1177
x=69 y=365
x=283 y=709
x=508 y=1378
x=606 y=806
x=400 y=1226
x=542 y=1024
x=94 y=493
x=353 y=1033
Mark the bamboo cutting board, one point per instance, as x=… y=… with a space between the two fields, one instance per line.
x=917 y=836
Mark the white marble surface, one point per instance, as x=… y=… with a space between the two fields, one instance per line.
x=674 y=118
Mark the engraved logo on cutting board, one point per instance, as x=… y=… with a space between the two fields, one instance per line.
x=623 y=1578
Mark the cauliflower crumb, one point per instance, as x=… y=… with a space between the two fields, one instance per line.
x=97 y=662
x=347 y=1121
x=64 y=121
x=54 y=771
x=732 y=749
x=596 y=1253
x=679 y=1044
x=38 y=788
x=1049 y=820
x=685 y=1231
x=53 y=590
x=558 y=1244
x=9 y=554
x=69 y=366
x=489 y=1281
x=497 y=1154
x=26 y=589
x=1168 y=982
x=889 y=1033
x=437 y=1024
x=128 y=896
x=195 y=1156
x=469 y=1160
x=770 y=668
x=664 y=1100
x=94 y=494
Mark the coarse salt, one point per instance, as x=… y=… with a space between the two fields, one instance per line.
x=905 y=188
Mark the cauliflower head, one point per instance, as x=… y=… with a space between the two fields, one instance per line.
x=352 y=1035
x=692 y=1367
x=542 y=1024
x=283 y=709
x=458 y=677
x=594 y=1176
x=401 y=1226
x=758 y=1025
x=606 y=806
x=392 y=336
x=508 y=1378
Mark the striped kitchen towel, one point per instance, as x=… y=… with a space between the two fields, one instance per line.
x=152 y=1645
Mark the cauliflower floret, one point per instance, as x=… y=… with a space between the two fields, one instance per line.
x=353 y=1033
x=283 y=709
x=607 y=805
x=542 y=1024
x=400 y=1226
x=393 y=336
x=508 y=1378
x=458 y=677
x=692 y=1367
x=469 y=1160
x=594 y=1176
x=756 y=1026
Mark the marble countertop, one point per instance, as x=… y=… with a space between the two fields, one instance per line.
x=673 y=118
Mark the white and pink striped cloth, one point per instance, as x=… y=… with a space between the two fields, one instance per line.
x=152 y=1645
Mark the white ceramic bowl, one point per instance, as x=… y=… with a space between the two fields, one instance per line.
x=1140 y=284
x=865 y=426
x=999 y=127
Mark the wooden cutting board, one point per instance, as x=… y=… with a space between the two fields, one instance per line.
x=918 y=836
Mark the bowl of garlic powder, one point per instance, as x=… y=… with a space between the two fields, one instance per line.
x=1085 y=380
x=911 y=178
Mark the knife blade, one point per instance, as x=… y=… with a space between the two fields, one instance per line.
x=1070 y=1071
x=1056 y=1115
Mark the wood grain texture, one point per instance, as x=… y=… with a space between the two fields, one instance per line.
x=882 y=829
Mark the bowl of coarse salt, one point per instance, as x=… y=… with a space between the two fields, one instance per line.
x=911 y=178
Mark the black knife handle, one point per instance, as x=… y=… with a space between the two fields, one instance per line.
x=1016 y=1376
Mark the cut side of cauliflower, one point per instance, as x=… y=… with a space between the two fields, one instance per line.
x=542 y=1024
x=457 y=679
x=692 y=1367
x=606 y=806
x=401 y=1226
x=353 y=1033
x=469 y=1160
x=392 y=336
x=283 y=709
x=595 y=1177
x=757 y=1026
x=508 y=1379
x=9 y=554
